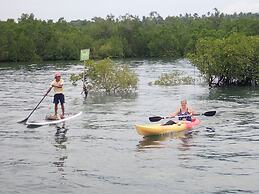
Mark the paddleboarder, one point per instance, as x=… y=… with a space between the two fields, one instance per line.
x=59 y=97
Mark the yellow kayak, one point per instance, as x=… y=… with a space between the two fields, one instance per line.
x=159 y=129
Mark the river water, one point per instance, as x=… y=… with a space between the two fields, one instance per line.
x=102 y=152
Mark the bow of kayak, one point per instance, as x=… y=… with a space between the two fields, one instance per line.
x=159 y=129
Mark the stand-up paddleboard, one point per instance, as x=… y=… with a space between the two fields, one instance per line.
x=50 y=122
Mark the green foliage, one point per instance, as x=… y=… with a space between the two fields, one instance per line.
x=112 y=47
x=174 y=78
x=231 y=60
x=75 y=77
x=107 y=76
x=126 y=36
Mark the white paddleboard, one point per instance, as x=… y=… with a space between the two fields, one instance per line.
x=50 y=122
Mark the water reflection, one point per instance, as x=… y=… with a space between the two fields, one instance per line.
x=60 y=143
x=60 y=136
x=60 y=140
x=161 y=141
x=61 y=130
x=102 y=98
x=157 y=141
x=60 y=163
x=233 y=94
x=227 y=142
x=33 y=126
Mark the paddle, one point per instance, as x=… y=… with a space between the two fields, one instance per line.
x=23 y=121
x=158 y=118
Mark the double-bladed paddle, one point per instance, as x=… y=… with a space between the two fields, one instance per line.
x=158 y=118
x=23 y=121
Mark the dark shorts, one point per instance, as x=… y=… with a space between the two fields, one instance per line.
x=59 y=98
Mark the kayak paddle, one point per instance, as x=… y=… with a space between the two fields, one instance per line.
x=23 y=121
x=158 y=118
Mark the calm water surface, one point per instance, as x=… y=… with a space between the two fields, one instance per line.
x=102 y=153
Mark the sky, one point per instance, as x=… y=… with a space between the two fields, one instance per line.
x=88 y=9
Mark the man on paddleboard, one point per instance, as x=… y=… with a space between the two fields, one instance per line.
x=57 y=84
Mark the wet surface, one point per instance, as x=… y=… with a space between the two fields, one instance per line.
x=101 y=152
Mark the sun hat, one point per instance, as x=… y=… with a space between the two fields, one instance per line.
x=57 y=74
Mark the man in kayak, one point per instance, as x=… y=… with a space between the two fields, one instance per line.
x=183 y=113
x=57 y=84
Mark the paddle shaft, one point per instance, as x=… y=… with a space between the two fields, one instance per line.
x=158 y=118
x=36 y=106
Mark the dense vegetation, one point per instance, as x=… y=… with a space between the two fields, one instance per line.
x=216 y=41
x=31 y=39
x=228 y=61
x=107 y=76
x=174 y=78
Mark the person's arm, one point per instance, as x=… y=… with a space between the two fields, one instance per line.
x=53 y=84
x=60 y=85
x=175 y=113
x=191 y=111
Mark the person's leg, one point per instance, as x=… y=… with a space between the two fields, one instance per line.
x=56 y=109
x=55 y=101
x=62 y=101
x=63 y=111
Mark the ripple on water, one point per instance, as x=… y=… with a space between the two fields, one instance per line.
x=102 y=153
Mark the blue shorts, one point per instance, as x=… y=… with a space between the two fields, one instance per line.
x=59 y=98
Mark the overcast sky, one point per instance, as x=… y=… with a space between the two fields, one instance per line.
x=87 y=9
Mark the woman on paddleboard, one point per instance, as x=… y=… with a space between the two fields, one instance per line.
x=59 y=97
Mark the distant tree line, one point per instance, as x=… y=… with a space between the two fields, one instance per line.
x=222 y=46
x=31 y=39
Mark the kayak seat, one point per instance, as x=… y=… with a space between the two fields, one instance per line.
x=170 y=122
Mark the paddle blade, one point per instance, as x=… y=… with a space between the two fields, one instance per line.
x=23 y=121
x=155 y=119
x=209 y=113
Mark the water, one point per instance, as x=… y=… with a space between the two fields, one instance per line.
x=101 y=151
